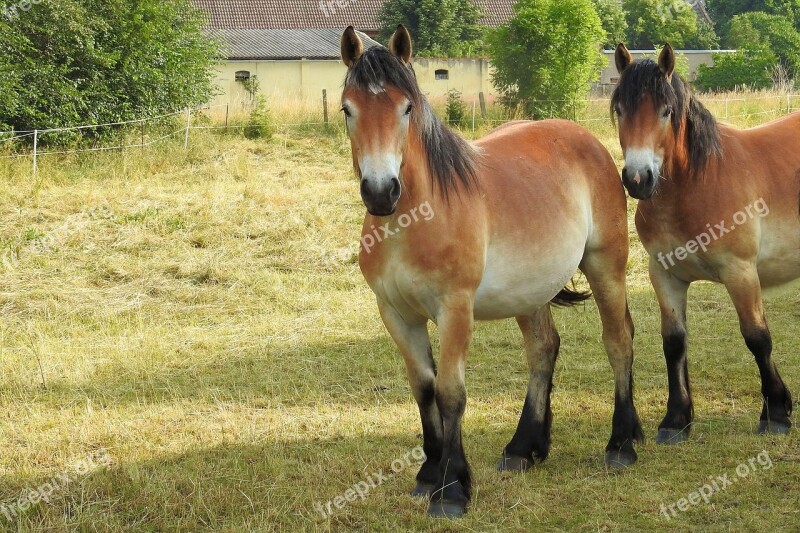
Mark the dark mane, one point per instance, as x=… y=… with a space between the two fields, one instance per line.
x=702 y=134
x=451 y=159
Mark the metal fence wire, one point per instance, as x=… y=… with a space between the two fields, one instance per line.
x=595 y=110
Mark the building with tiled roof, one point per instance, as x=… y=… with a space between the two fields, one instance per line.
x=318 y=14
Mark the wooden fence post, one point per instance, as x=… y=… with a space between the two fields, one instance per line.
x=482 y=99
x=325 y=105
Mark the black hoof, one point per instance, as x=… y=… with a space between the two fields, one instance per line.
x=772 y=427
x=423 y=490
x=620 y=458
x=447 y=509
x=512 y=463
x=672 y=436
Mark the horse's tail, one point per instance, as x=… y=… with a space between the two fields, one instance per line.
x=569 y=297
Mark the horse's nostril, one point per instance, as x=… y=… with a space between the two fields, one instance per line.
x=364 y=188
x=395 y=193
x=650 y=174
x=625 y=173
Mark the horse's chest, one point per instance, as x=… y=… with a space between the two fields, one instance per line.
x=676 y=249
x=399 y=284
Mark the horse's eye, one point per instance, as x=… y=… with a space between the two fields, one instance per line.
x=618 y=110
x=667 y=112
x=409 y=109
x=346 y=112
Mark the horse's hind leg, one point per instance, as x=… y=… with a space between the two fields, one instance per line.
x=531 y=442
x=671 y=293
x=414 y=343
x=741 y=281
x=605 y=270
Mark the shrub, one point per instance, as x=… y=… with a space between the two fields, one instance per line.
x=73 y=62
x=546 y=56
x=456 y=109
x=260 y=125
x=773 y=33
x=744 y=68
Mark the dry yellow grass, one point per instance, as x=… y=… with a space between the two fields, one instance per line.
x=198 y=315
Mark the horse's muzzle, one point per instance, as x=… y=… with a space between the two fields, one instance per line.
x=380 y=196
x=640 y=183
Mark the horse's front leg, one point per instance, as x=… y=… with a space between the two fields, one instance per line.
x=742 y=282
x=672 y=297
x=455 y=320
x=411 y=336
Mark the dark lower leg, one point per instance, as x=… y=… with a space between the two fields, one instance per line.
x=432 y=441
x=454 y=477
x=531 y=441
x=680 y=410
x=777 y=399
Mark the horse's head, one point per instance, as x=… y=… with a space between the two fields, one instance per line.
x=649 y=103
x=380 y=97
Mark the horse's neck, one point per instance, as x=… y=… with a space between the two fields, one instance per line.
x=416 y=178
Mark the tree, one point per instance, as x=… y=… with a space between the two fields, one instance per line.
x=652 y=22
x=612 y=17
x=547 y=55
x=723 y=11
x=70 y=62
x=751 y=69
x=769 y=33
x=444 y=28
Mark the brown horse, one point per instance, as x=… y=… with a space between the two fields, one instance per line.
x=715 y=203
x=456 y=232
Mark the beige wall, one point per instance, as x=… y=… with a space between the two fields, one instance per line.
x=298 y=81
x=302 y=81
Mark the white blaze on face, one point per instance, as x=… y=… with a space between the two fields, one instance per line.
x=379 y=169
x=379 y=159
x=640 y=160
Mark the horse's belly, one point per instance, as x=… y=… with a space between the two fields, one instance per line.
x=779 y=259
x=519 y=284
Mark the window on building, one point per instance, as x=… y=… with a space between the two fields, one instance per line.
x=442 y=74
x=242 y=75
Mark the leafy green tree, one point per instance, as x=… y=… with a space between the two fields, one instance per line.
x=445 y=28
x=70 y=62
x=652 y=22
x=612 y=18
x=547 y=55
x=723 y=11
x=770 y=33
x=744 y=68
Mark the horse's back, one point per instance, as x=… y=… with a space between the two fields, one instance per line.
x=564 y=163
x=550 y=145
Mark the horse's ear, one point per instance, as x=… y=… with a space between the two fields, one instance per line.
x=352 y=47
x=666 y=61
x=400 y=44
x=622 y=57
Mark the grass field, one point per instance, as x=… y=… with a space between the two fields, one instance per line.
x=193 y=325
